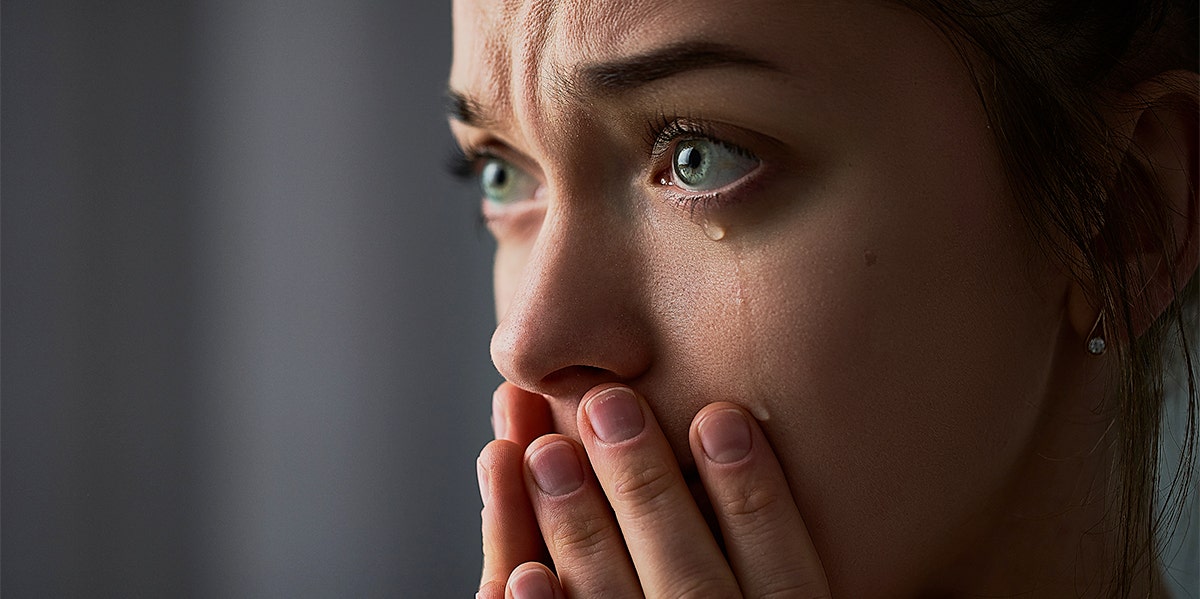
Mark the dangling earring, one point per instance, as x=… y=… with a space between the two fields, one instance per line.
x=1095 y=343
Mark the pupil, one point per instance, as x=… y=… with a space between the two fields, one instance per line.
x=690 y=158
x=499 y=176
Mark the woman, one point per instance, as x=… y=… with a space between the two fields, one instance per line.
x=843 y=299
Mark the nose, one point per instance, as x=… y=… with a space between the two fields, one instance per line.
x=577 y=318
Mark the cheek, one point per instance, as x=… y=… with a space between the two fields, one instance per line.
x=879 y=337
x=896 y=379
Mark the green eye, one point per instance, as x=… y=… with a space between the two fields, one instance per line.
x=503 y=183
x=705 y=165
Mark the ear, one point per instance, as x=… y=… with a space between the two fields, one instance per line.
x=1160 y=254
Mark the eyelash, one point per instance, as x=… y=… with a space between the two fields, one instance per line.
x=463 y=164
x=662 y=130
x=661 y=133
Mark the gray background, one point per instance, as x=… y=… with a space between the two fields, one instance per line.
x=245 y=315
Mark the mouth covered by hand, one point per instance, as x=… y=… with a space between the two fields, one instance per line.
x=615 y=515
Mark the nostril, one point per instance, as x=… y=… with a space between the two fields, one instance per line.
x=574 y=381
x=508 y=357
x=543 y=359
x=522 y=358
x=550 y=359
x=569 y=327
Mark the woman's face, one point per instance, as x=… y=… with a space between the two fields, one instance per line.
x=795 y=206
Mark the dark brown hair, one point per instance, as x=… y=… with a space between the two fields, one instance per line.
x=1044 y=70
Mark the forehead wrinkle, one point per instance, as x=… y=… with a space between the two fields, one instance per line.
x=607 y=27
x=597 y=31
x=564 y=35
x=532 y=74
x=526 y=53
x=480 y=71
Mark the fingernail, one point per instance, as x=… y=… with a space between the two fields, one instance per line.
x=615 y=415
x=531 y=584
x=725 y=436
x=556 y=468
x=499 y=422
x=481 y=472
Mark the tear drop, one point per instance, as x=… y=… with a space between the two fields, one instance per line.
x=760 y=413
x=713 y=231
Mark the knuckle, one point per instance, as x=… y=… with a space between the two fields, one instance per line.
x=642 y=485
x=584 y=536
x=750 y=502
x=808 y=590
x=794 y=581
x=707 y=588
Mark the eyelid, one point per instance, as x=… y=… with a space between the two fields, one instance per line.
x=477 y=146
x=665 y=133
x=465 y=164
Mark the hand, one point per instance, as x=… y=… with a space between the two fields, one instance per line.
x=510 y=530
x=619 y=521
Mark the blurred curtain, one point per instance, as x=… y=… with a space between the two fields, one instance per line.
x=245 y=317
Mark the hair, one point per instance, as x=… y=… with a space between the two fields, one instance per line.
x=1045 y=70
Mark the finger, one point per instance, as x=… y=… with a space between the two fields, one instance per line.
x=672 y=548
x=765 y=537
x=520 y=416
x=510 y=532
x=577 y=525
x=492 y=590
x=533 y=581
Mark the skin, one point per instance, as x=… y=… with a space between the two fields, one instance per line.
x=859 y=322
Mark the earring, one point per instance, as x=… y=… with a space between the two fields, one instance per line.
x=1095 y=343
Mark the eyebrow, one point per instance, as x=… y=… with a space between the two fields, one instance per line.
x=626 y=74
x=466 y=109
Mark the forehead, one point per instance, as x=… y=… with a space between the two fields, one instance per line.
x=505 y=51
x=492 y=38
